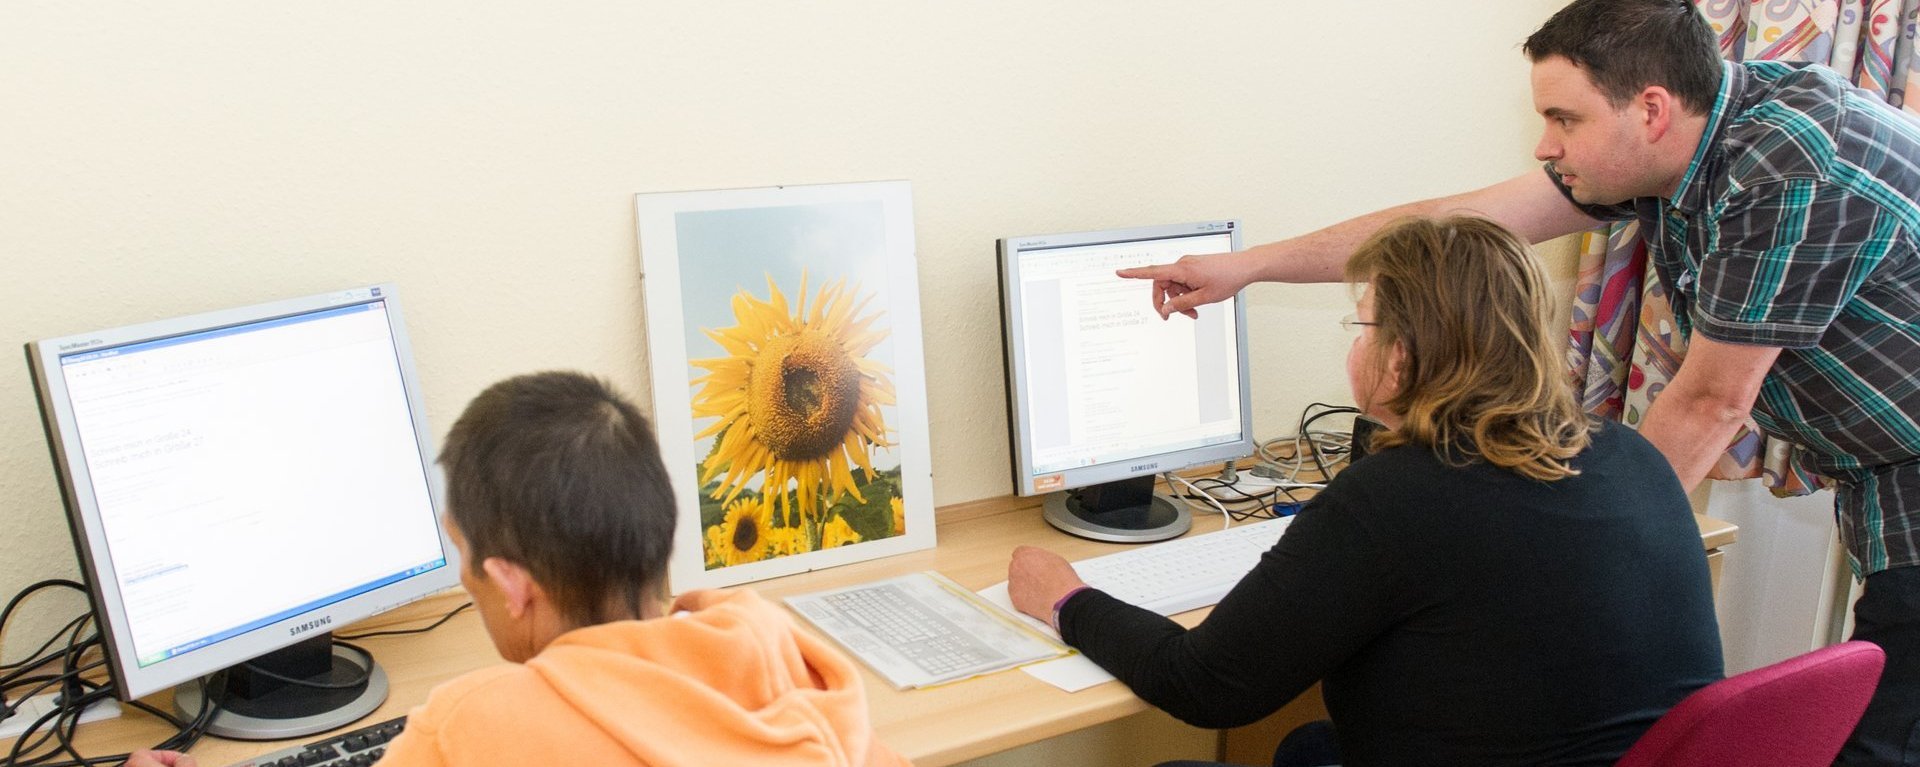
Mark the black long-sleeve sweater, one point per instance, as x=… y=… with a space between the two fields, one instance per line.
x=1457 y=615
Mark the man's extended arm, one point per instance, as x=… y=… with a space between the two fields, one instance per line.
x=1697 y=414
x=1529 y=204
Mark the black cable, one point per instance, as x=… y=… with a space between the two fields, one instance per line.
x=76 y=648
x=365 y=673
x=1243 y=496
x=63 y=729
x=1238 y=515
x=189 y=732
x=1264 y=508
x=1313 y=447
x=49 y=737
x=177 y=722
x=213 y=687
x=1327 y=411
x=69 y=722
x=58 y=719
x=38 y=657
x=7 y=612
x=73 y=700
x=398 y=632
x=48 y=680
x=24 y=745
x=1292 y=499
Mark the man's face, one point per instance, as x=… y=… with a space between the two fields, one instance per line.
x=488 y=600
x=1600 y=152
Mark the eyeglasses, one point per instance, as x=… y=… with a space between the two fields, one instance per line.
x=1352 y=324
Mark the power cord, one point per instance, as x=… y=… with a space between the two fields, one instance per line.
x=1225 y=515
x=1269 y=492
x=48 y=740
x=399 y=632
x=1323 y=450
x=366 y=672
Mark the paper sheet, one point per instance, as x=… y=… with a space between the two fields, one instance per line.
x=922 y=629
x=1072 y=673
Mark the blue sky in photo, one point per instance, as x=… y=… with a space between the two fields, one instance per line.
x=725 y=251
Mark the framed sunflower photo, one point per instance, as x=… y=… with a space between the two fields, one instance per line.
x=783 y=336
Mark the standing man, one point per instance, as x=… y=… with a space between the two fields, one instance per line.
x=1778 y=203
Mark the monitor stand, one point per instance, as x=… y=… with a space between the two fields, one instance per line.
x=1124 y=511
x=257 y=707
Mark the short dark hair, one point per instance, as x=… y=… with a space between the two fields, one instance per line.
x=1627 y=45
x=559 y=473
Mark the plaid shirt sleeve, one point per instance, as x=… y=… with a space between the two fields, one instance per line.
x=1787 y=257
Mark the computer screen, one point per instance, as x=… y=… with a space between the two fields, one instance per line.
x=237 y=481
x=1100 y=388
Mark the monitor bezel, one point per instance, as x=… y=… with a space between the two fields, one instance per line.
x=130 y=679
x=1013 y=341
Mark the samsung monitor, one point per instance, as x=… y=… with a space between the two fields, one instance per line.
x=1102 y=393
x=239 y=484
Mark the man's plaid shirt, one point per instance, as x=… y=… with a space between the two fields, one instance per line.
x=1797 y=226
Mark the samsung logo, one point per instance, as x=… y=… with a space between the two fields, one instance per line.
x=310 y=625
x=1144 y=466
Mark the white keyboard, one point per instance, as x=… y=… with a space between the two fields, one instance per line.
x=1186 y=573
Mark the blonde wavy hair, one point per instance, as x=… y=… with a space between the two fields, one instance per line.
x=1481 y=378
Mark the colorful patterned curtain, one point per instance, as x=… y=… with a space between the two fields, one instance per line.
x=1625 y=346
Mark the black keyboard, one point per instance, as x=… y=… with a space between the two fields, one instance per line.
x=354 y=748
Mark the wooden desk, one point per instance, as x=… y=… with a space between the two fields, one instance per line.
x=933 y=727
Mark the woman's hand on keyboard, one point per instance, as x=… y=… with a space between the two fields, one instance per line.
x=1037 y=579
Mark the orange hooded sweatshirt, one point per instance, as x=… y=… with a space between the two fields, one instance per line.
x=733 y=682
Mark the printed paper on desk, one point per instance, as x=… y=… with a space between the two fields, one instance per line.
x=1073 y=673
x=922 y=629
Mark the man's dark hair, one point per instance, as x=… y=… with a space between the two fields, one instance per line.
x=555 y=471
x=1627 y=45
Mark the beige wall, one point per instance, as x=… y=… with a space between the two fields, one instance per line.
x=158 y=159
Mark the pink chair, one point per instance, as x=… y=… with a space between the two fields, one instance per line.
x=1792 y=713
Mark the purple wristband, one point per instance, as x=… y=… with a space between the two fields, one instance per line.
x=1062 y=602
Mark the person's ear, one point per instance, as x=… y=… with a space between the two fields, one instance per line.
x=1397 y=363
x=517 y=588
x=1657 y=108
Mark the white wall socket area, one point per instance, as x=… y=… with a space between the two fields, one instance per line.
x=38 y=706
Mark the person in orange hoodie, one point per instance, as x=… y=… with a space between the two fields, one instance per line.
x=564 y=518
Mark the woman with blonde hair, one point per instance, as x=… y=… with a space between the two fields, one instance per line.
x=1502 y=581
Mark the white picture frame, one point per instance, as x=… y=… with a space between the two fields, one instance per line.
x=819 y=283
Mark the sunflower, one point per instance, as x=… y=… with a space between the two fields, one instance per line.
x=747 y=534
x=899 y=516
x=838 y=533
x=716 y=546
x=788 y=541
x=796 y=397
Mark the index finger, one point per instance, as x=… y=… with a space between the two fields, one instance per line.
x=1148 y=272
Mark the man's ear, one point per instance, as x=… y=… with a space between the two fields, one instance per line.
x=517 y=587
x=1658 y=108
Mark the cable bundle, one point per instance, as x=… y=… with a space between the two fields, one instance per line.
x=1284 y=458
x=48 y=740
